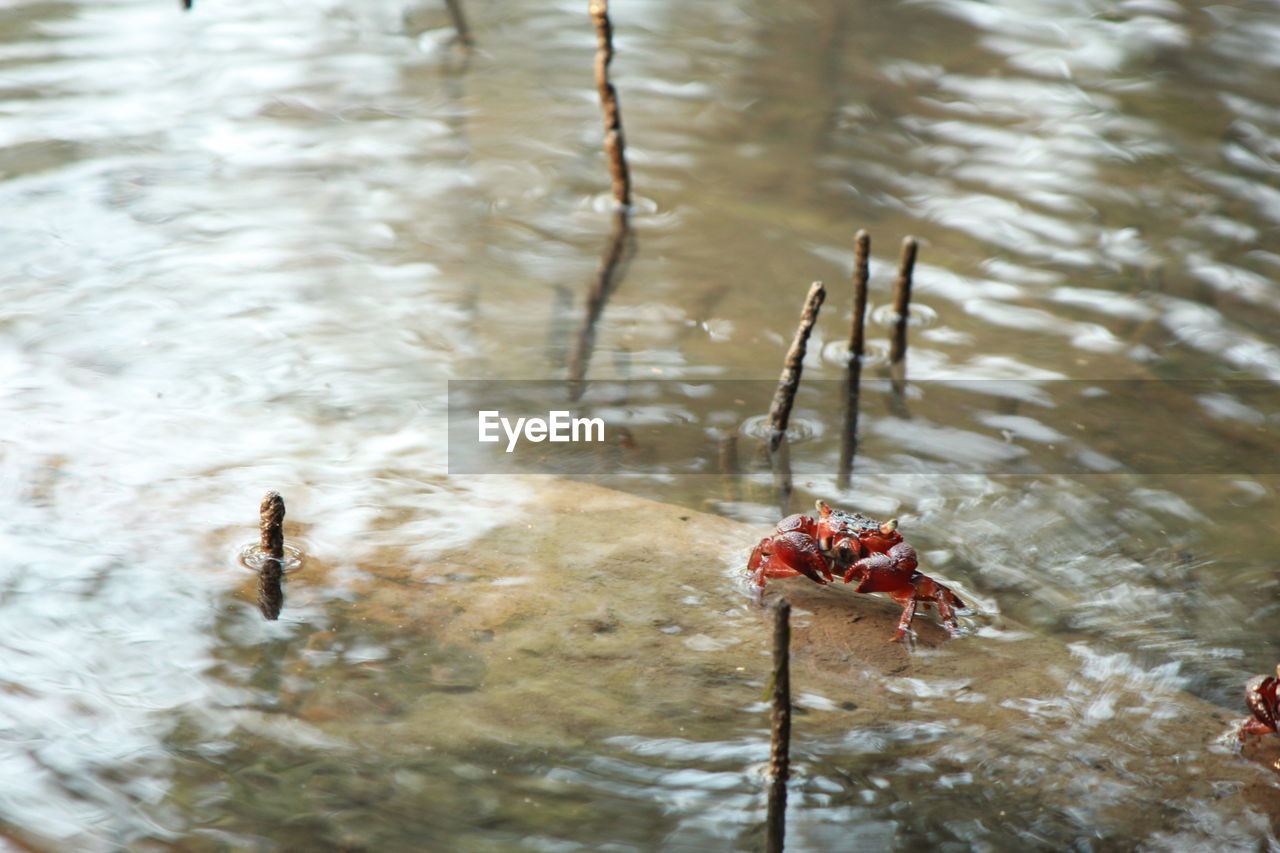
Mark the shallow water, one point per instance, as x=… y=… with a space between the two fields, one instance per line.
x=248 y=245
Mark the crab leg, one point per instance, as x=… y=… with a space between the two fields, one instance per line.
x=907 y=598
x=1255 y=727
x=942 y=597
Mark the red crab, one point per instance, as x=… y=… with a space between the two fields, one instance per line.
x=867 y=552
x=1260 y=696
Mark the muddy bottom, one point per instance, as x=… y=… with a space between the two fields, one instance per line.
x=592 y=627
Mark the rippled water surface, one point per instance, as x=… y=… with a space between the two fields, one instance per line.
x=247 y=246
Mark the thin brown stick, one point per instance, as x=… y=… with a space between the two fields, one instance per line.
x=902 y=300
x=459 y=22
x=857 y=349
x=271 y=575
x=789 y=382
x=780 y=729
x=614 y=144
x=861 y=275
x=271 y=526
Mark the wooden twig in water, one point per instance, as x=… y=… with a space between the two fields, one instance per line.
x=271 y=527
x=271 y=575
x=617 y=249
x=789 y=382
x=459 y=22
x=902 y=300
x=780 y=729
x=614 y=145
x=861 y=274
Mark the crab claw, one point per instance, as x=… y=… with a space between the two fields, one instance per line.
x=799 y=552
x=788 y=554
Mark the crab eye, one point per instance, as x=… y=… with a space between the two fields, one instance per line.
x=889 y=526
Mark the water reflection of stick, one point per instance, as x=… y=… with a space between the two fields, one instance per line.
x=780 y=746
x=730 y=466
x=789 y=382
x=615 y=253
x=270 y=576
x=852 y=402
x=728 y=454
x=780 y=464
x=614 y=145
x=902 y=300
x=459 y=22
x=857 y=333
x=271 y=590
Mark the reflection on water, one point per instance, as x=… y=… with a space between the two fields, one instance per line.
x=247 y=245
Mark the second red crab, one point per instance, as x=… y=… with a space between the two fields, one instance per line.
x=1262 y=695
